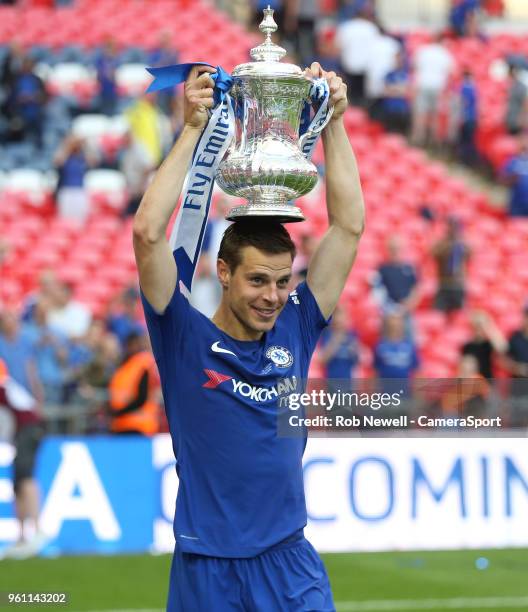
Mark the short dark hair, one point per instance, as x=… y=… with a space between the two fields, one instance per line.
x=265 y=235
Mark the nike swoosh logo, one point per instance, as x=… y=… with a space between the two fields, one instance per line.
x=216 y=349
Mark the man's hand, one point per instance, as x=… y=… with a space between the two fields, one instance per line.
x=198 y=97
x=338 y=89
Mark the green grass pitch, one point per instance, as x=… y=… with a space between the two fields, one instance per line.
x=367 y=581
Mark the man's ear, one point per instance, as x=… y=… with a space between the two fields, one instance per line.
x=223 y=272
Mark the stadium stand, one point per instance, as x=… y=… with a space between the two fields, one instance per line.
x=406 y=193
x=487 y=57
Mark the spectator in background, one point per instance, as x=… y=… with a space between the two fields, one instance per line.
x=517 y=358
x=28 y=435
x=150 y=127
x=348 y=9
x=134 y=391
x=307 y=247
x=93 y=378
x=11 y=66
x=51 y=354
x=67 y=316
x=72 y=161
x=106 y=65
x=327 y=53
x=395 y=284
x=382 y=59
x=5 y=250
x=516 y=111
x=82 y=350
x=451 y=255
x=516 y=362
x=26 y=104
x=395 y=355
x=355 y=39
x=467 y=148
x=216 y=227
x=300 y=18
x=164 y=55
x=122 y=318
x=469 y=392
x=48 y=290
x=433 y=65
x=515 y=175
x=205 y=295
x=136 y=165
x=396 y=107
x=462 y=16
x=17 y=350
x=486 y=339
x=339 y=350
x=206 y=292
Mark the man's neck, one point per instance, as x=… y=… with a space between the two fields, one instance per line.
x=225 y=320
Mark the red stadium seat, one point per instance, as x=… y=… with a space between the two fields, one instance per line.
x=72 y=273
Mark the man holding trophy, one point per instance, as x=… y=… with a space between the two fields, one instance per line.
x=240 y=508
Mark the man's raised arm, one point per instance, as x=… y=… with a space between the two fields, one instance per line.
x=333 y=259
x=156 y=266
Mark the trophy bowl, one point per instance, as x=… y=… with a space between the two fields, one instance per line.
x=265 y=164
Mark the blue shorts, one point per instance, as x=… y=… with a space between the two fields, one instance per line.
x=289 y=577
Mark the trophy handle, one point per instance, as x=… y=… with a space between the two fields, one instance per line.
x=317 y=130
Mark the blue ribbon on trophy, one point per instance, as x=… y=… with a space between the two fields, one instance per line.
x=189 y=228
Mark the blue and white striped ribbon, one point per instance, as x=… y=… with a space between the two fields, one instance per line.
x=310 y=130
x=189 y=228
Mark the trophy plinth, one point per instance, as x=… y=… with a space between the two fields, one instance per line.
x=265 y=164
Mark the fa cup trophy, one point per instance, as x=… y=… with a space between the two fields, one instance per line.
x=266 y=164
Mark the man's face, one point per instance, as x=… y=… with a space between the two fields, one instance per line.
x=257 y=290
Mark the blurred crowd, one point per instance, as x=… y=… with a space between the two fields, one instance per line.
x=485 y=356
x=65 y=358
x=38 y=130
x=427 y=97
x=68 y=360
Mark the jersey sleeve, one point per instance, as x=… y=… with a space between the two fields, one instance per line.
x=303 y=312
x=166 y=329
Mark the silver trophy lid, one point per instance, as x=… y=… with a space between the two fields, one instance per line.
x=267 y=55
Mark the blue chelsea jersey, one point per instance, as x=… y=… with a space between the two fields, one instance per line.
x=240 y=485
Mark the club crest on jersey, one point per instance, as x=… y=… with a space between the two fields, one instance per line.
x=280 y=356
